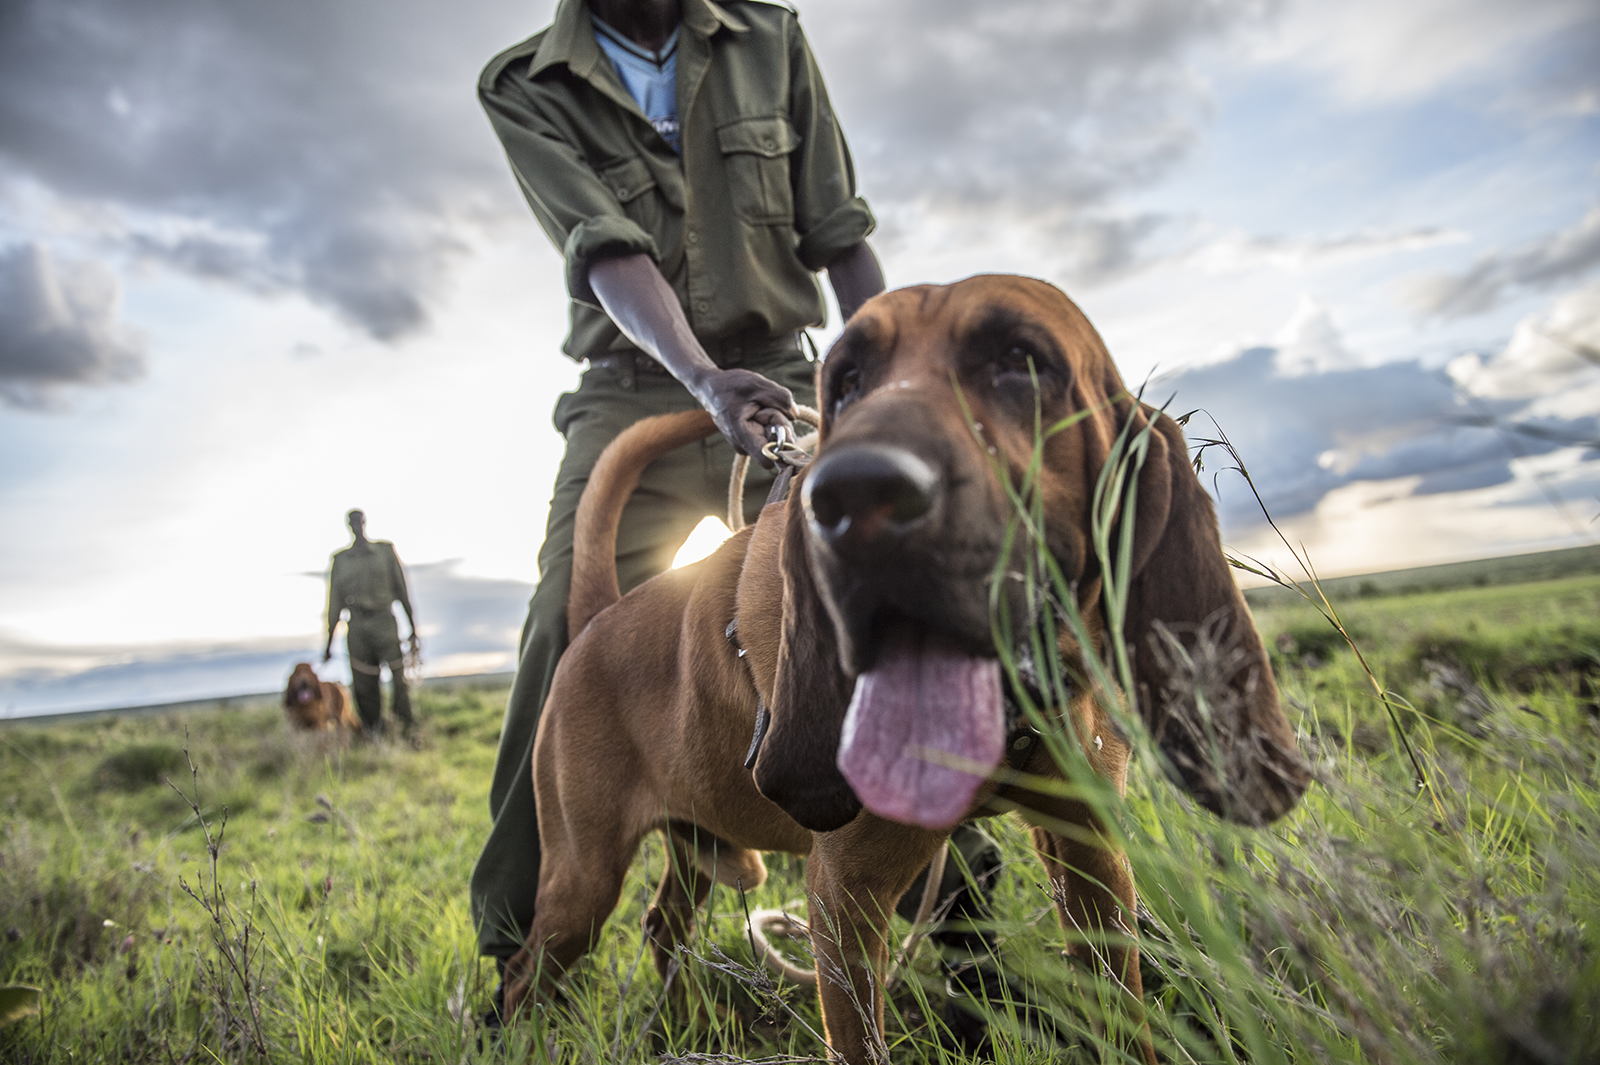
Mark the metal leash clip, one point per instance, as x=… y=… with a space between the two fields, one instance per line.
x=783 y=449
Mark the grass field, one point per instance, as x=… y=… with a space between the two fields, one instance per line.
x=314 y=908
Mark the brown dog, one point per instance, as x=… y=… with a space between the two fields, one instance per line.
x=858 y=617
x=317 y=705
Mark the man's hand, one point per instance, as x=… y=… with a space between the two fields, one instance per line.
x=745 y=406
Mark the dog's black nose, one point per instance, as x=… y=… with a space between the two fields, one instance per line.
x=868 y=494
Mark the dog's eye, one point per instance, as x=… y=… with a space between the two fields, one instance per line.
x=846 y=388
x=1019 y=360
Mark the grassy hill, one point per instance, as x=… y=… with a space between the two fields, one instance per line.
x=1478 y=573
x=286 y=900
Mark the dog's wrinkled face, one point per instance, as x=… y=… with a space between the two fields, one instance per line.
x=933 y=401
x=925 y=409
x=304 y=687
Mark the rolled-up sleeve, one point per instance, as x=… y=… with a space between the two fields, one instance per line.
x=578 y=212
x=828 y=215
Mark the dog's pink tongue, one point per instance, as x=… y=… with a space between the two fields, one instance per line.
x=924 y=730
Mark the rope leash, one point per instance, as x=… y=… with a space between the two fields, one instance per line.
x=766 y=923
x=791 y=455
x=410 y=664
x=413 y=662
x=788 y=455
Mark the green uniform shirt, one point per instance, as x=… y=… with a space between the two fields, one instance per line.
x=762 y=198
x=366 y=582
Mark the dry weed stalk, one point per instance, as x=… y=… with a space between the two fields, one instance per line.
x=239 y=964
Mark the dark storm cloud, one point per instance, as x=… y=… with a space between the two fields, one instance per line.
x=1542 y=263
x=1464 y=479
x=333 y=149
x=1035 y=101
x=1305 y=435
x=337 y=149
x=1567 y=79
x=58 y=326
x=1030 y=110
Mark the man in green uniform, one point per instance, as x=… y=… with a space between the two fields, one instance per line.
x=683 y=156
x=366 y=580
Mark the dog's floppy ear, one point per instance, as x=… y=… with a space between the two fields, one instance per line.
x=1203 y=683
x=798 y=765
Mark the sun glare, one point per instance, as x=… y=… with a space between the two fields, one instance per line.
x=706 y=538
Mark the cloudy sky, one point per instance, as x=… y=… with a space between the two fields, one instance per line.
x=260 y=263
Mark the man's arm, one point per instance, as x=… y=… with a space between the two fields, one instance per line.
x=744 y=404
x=856 y=277
x=398 y=575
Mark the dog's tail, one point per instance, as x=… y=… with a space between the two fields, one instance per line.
x=611 y=482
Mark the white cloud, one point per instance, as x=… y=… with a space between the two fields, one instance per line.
x=1548 y=356
x=1369 y=526
x=1238 y=252
x=1309 y=341
x=1379 y=51
x=1310 y=421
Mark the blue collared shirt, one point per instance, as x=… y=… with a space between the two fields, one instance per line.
x=650 y=77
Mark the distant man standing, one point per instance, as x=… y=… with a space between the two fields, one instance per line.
x=366 y=580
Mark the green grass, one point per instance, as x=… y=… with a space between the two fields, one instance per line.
x=1378 y=922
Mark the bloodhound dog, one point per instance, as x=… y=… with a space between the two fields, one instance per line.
x=855 y=624
x=314 y=705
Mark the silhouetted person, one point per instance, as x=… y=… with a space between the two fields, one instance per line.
x=366 y=580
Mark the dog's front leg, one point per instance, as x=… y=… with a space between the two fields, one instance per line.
x=1097 y=903
x=855 y=876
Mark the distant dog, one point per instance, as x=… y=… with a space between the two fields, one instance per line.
x=315 y=705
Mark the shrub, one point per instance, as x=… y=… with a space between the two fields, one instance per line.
x=1309 y=643
x=137 y=767
x=1522 y=659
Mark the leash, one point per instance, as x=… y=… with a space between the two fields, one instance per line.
x=413 y=662
x=791 y=455
x=788 y=455
x=410 y=664
x=765 y=923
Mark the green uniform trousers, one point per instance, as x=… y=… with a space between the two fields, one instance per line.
x=373 y=640
x=674 y=495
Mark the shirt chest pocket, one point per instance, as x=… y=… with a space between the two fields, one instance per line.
x=630 y=180
x=755 y=156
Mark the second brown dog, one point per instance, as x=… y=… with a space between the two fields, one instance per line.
x=316 y=705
